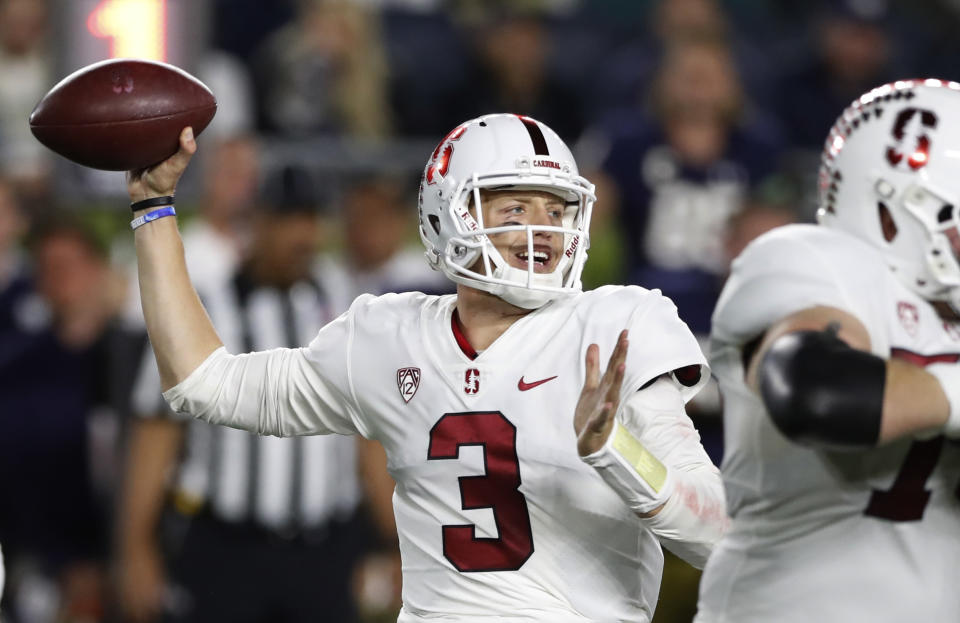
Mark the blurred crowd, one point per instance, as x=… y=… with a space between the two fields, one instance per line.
x=700 y=121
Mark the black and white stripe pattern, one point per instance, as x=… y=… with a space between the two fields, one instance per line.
x=282 y=484
x=536 y=136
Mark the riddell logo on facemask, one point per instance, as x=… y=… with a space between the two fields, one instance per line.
x=540 y=162
x=468 y=219
x=573 y=246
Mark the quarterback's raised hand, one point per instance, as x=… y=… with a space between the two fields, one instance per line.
x=180 y=331
x=161 y=180
x=594 y=416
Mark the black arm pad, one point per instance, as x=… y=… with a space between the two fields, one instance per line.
x=820 y=391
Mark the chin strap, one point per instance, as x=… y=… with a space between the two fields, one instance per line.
x=524 y=297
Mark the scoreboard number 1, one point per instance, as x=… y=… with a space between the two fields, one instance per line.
x=135 y=28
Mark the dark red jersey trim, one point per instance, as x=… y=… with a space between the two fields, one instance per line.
x=460 y=336
x=923 y=360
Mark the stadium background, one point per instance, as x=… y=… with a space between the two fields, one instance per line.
x=700 y=120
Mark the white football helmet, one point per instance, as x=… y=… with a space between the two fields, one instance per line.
x=498 y=152
x=890 y=174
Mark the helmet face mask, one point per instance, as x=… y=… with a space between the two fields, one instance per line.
x=493 y=153
x=889 y=175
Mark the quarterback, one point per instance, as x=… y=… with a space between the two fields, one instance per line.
x=836 y=348
x=530 y=485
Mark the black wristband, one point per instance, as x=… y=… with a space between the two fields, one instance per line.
x=153 y=202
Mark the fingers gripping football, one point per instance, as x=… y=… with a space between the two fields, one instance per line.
x=599 y=398
x=161 y=179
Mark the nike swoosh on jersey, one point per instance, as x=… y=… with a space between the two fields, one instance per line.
x=525 y=386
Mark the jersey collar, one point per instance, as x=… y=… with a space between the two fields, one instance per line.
x=460 y=335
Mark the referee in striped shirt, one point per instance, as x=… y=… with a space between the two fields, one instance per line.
x=258 y=528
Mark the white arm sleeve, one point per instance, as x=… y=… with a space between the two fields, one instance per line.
x=653 y=459
x=282 y=392
x=274 y=392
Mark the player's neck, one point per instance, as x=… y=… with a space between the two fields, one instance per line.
x=484 y=317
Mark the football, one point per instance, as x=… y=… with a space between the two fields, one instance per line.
x=123 y=114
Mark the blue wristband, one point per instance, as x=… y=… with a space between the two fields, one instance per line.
x=143 y=219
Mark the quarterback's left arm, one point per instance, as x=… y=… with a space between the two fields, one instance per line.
x=650 y=454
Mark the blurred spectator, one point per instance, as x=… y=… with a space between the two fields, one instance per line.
x=325 y=73
x=217 y=238
x=54 y=370
x=25 y=75
x=242 y=510
x=627 y=71
x=683 y=173
x=13 y=225
x=509 y=72
x=755 y=219
x=852 y=53
x=377 y=226
x=427 y=63
x=230 y=80
x=239 y=26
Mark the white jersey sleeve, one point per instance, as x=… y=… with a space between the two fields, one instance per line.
x=282 y=392
x=654 y=460
x=695 y=515
x=660 y=342
x=798 y=267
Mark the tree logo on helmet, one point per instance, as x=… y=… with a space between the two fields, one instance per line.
x=912 y=131
x=440 y=160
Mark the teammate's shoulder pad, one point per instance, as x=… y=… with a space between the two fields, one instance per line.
x=611 y=298
x=798 y=242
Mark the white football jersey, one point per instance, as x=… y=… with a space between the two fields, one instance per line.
x=497 y=515
x=821 y=535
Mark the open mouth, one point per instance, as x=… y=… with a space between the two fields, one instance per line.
x=542 y=258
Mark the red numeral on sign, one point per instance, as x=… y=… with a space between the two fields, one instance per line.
x=135 y=28
x=497 y=489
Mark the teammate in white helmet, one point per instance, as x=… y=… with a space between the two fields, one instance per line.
x=836 y=349
x=503 y=510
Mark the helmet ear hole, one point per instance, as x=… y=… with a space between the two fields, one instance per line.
x=945 y=213
x=434 y=222
x=887 y=225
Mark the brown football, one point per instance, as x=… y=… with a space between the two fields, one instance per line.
x=123 y=114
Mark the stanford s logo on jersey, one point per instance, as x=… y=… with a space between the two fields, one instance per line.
x=471 y=381
x=912 y=131
x=909 y=317
x=408 y=380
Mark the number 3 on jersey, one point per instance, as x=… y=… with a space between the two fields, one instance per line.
x=497 y=489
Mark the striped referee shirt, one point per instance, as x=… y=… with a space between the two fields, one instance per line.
x=285 y=485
